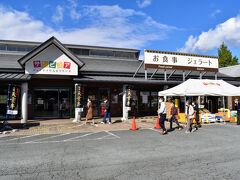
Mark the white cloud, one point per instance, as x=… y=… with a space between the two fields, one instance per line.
x=189 y=44
x=110 y=11
x=58 y=15
x=107 y=26
x=19 y=26
x=215 y=13
x=74 y=14
x=228 y=32
x=143 y=3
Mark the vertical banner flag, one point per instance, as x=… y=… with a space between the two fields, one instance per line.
x=79 y=95
x=12 y=99
x=128 y=97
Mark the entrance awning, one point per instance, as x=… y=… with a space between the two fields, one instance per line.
x=14 y=77
x=122 y=80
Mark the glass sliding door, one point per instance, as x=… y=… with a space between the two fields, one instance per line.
x=64 y=103
x=51 y=103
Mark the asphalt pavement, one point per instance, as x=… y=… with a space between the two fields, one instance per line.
x=213 y=152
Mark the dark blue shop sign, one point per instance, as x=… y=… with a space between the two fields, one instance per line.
x=13 y=99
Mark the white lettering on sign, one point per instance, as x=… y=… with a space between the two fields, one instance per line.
x=164 y=59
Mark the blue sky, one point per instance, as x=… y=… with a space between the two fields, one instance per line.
x=173 y=25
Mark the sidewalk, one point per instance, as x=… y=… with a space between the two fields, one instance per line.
x=67 y=126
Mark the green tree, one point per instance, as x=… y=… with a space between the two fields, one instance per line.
x=225 y=57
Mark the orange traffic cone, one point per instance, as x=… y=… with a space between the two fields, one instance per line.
x=157 y=126
x=134 y=126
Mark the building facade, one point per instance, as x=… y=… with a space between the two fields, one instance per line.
x=47 y=73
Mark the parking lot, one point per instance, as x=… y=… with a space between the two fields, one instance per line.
x=210 y=153
x=57 y=138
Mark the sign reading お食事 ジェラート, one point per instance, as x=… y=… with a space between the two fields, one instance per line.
x=179 y=61
x=53 y=62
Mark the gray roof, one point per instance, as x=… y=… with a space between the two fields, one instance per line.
x=14 y=77
x=233 y=71
x=10 y=61
x=110 y=65
x=45 y=45
x=234 y=82
x=31 y=43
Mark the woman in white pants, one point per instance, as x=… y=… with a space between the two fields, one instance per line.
x=189 y=113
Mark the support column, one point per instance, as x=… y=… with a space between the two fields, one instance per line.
x=124 y=108
x=24 y=104
x=146 y=74
x=215 y=76
x=165 y=87
x=229 y=102
x=77 y=115
x=183 y=76
x=77 y=109
x=199 y=97
x=165 y=75
x=224 y=113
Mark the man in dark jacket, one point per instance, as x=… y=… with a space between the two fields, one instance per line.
x=196 y=114
x=174 y=117
x=237 y=108
x=107 y=112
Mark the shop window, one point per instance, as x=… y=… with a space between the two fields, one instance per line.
x=114 y=99
x=105 y=53
x=11 y=48
x=126 y=55
x=84 y=52
x=20 y=48
x=144 y=103
x=182 y=104
x=3 y=47
x=144 y=95
x=154 y=99
x=134 y=105
x=25 y=48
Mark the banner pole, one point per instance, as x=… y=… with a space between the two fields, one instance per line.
x=224 y=114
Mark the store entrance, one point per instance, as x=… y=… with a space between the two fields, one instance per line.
x=51 y=103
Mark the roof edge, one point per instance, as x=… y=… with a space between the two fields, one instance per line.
x=45 y=45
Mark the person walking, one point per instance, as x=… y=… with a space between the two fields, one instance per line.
x=107 y=112
x=89 y=115
x=237 y=108
x=196 y=115
x=189 y=113
x=174 y=117
x=162 y=115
